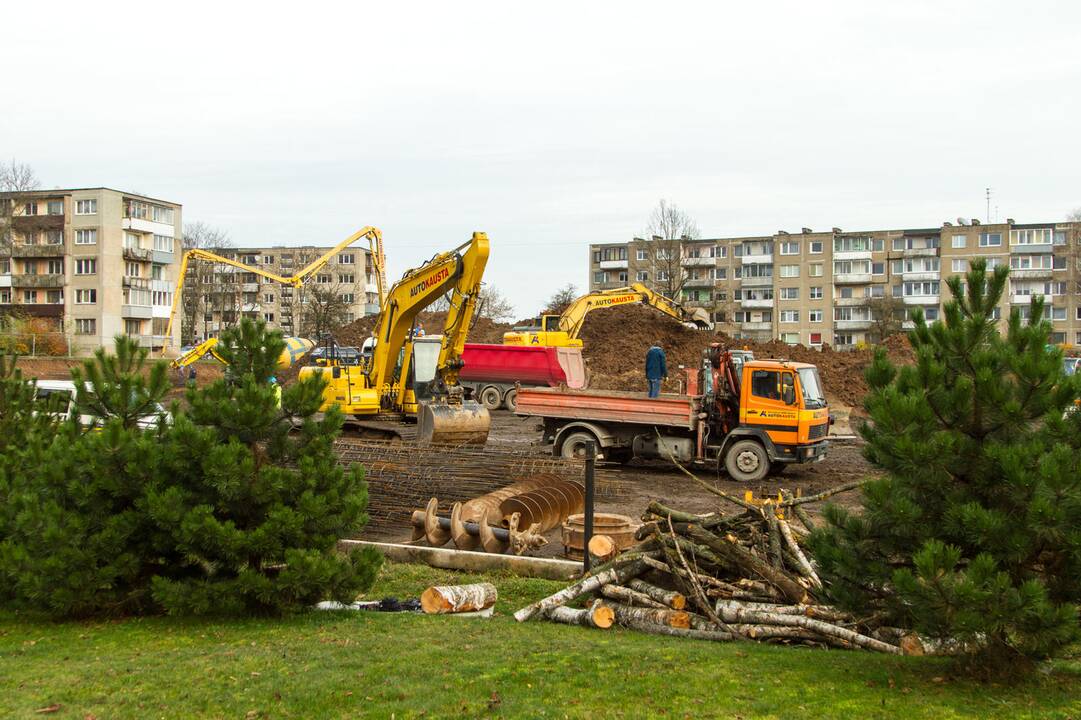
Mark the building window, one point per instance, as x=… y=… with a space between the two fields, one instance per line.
x=1058 y=337
x=5 y=266
x=54 y=237
x=875 y=291
x=1043 y=236
x=816 y=293
x=322 y=279
x=790 y=316
x=790 y=271
x=598 y=277
x=131 y=240
x=55 y=267
x=790 y=248
x=30 y=208
x=790 y=293
x=346 y=259
x=792 y=338
x=1058 y=313
x=86 y=297
x=641 y=255
x=347 y=279
x=55 y=207
x=30 y=297
x=816 y=247
x=162 y=214
x=959 y=265
x=86 y=326
x=852 y=244
x=641 y=276
x=131 y=269
x=814 y=316
x=163 y=243
x=1060 y=237
x=347 y=298
x=722 y=252
x=959 y=241
x=814 y=269
x=86 y=207
x=990 y=239
x=269 y=317
x=268 y=297
x=86 y=237
x=816 y=338
x=623 y=276
x=878 y=268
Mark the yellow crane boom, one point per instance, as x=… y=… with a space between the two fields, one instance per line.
x=375 y=241
x=562 y=330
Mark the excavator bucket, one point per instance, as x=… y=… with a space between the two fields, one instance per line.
x=442 y=423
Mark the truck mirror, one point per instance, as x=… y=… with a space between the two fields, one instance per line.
x=789 y=395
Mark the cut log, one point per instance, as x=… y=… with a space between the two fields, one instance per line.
x=774 y=537
x=735 y=614
x=750 y=565
x=629 y=597
x=601 y=549
x=804 y=518
x=714 y=635
x=822 y=612
x=704 y=579
x=824 y=494
x=669 y=598
x=618 y=574
x=441 y=599
x=597 y=616
x=678 y=516
x=628 y=616
x=804 y=565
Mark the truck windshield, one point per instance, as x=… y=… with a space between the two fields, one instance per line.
x=813 y=397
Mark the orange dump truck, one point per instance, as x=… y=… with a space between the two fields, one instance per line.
x=751 y=418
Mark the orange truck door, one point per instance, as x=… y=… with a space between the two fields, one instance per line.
x=764 y=405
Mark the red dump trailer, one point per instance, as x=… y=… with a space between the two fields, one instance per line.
x=494 y=372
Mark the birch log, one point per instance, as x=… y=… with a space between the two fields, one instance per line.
x=804 y=564
x=735 y=614
x=618 y=574
x=438 y=600
x=628 y=616
x=629 y=597
x=669 y=598
x=598 y=616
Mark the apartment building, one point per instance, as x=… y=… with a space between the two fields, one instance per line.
x=816 y=288
x=90 y=263
x=217 y=295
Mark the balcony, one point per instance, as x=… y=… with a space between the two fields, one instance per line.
x=1031 y=249
x=861 y=255
x=613 y=265
x=756 y=303
x=1026 y=299
x=851 y=324
x=929 y=275
x=5 y=281
x=37 y=309
x=763 y=259
x=138 y=312
x=147 y=226
x=919 y=252
x=153 y=341
x=1031 y=274
x=698 y=282
x=852 y=278
x=921 y=299
x=140 y=254
x=698 y=262
x=136 y=282
x=756 y=326
x=757 y=281
x=38 y=222
x=850 y=302
x=371 y=309
x=250 y=287
x=37 y=281
x=37 y=251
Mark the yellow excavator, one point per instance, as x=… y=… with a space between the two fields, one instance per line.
x=562 y=330
x=295 y=347
x=408 y=376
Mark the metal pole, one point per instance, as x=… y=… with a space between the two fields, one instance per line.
x=591 y=461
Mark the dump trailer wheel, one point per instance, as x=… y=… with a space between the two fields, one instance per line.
x=574 y=445
x=747 y=461
x=510 y=400
x=490 y=398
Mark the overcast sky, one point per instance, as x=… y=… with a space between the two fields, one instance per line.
x=553 y=127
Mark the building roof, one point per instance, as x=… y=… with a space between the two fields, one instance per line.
x=68 y=191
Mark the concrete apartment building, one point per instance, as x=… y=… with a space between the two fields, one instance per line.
x=816 y=288
x=217 y=295
x=91 y=263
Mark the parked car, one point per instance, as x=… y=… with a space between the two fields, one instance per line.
x=61 y=396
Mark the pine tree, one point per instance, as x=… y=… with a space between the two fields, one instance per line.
x=974 y=534
x=254 y=507
x=80 y=542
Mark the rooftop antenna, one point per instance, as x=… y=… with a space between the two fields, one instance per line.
x=988 y=216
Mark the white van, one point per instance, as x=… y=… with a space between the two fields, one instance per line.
x=62 y=392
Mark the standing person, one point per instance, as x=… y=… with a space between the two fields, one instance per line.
x=191 y=376
x=277 y=391
x=656 y=369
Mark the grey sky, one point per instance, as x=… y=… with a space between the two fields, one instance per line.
x=554 y=126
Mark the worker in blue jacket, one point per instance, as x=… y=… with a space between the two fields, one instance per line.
x=656 y=369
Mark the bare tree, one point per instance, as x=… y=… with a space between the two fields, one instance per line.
x=668 y=228
x=492 y=304
x=1074 y=215
x=326 y=309
x=887 y=314
x=561 y=300
x=205 y=286
x=16 y=179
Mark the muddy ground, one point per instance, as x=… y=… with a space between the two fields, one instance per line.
x=641 y=481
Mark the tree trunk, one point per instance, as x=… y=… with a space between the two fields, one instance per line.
x=750 y=565
x=669 y=598
x=629 y=597
x=804 y=564
x=740 y=615
x=597 y=616
x=630 y=616
x=654 y=629
x=438 y=600
x=617 y=574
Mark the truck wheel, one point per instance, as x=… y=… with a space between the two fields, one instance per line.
x=747 y=461
x=490 y=398
x=574 y=445
x=510 y=400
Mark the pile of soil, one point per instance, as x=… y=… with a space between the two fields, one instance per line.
x=615 y=344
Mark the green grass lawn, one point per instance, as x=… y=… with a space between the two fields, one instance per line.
x=399 y=665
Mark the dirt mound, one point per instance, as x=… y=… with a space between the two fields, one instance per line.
x=616 y=342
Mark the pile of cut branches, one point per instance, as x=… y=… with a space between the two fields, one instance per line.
x=741 y=576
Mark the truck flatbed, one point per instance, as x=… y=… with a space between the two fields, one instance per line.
x=667 y=410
